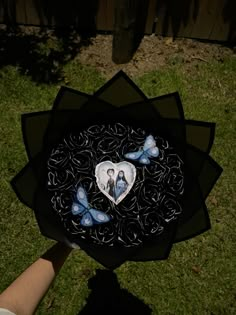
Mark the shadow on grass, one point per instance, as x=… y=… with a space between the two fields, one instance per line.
x=107 y=297
x=41 y=53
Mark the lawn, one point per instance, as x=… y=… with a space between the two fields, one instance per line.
x=199 y=276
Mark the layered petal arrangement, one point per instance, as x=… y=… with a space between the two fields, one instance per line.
x=117 y=174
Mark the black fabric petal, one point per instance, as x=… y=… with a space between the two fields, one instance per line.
x=62 y=121
x=194 y=219
x=209 y=175
x=68 y=98
x=49 y=224
x=120 y=90
x=200 y=134
x=192 y=199
x=34 y=126
x=145 y=115
x=194 y=159
x=109 y=257
x=200 y=163
x=196 y=225
x=25 y=185
x=169 y=106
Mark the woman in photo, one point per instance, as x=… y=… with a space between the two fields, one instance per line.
x=121 y=184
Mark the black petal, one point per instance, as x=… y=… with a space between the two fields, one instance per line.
x=25 y=184
x=200 y=134
x=49 y=224
x=120 y=91
x=209 y=175
x=68 y=98
x=34 y=126
x=109 y=257
x=62 y=121
x=194 y=219
x=196 y=225
x=169 y=106
x=199 y=161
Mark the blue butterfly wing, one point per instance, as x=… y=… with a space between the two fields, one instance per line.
x=153 y=152
x=86 y=219
x=149 y=143
x=144 y=159
x=133 y=155
x=82 y=197
x=77 y=208
x=99 y=216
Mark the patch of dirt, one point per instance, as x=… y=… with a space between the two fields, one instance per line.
x=153 y=53
x=46 y=50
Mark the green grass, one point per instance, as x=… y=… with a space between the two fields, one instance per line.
x=169 y=287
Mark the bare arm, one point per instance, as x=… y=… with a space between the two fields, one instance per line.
x=24 y=294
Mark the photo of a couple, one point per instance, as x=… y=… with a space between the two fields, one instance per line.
x=115 y=179
x=116 y=187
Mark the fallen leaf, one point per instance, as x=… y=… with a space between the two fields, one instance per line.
x=196 y=269
x=50 y=303
x=87 y=272
x=213 y=200
x=169 y=40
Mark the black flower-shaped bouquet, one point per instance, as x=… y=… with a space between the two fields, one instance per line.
x=117 y=174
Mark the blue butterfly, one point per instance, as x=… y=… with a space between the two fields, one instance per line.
x=143 y=156
x=89 y=216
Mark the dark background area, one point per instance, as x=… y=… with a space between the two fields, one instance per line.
x=64 y=27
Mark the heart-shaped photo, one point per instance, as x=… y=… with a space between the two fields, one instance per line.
x=115 y=179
